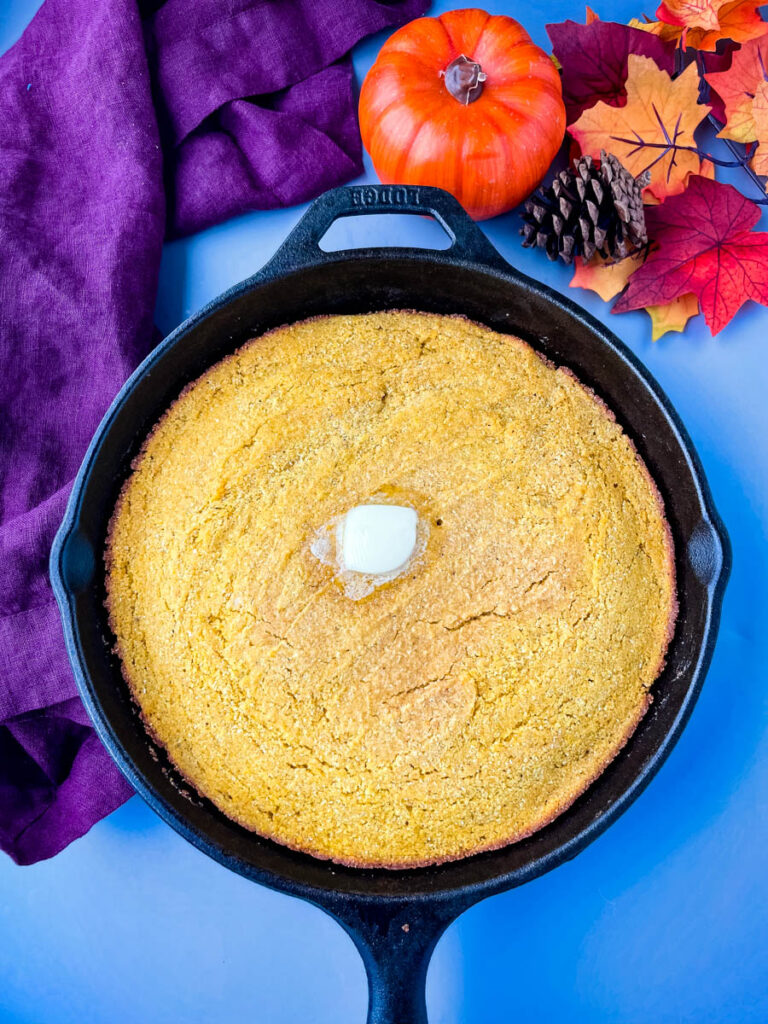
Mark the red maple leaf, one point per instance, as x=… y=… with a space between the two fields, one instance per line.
x=705 y=246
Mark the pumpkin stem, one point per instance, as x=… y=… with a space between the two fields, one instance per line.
x=464 y=79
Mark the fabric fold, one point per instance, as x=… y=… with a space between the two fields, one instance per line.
x=252 y=156
x=277 y=45
x=117 y=130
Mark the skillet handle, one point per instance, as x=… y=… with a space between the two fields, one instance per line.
x=301 y=248
x=396 y=941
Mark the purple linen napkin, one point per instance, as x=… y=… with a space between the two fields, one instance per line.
x=115 y=130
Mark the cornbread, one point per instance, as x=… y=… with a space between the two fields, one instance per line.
x=456 y=708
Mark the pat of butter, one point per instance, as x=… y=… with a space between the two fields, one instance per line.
x=376 y=539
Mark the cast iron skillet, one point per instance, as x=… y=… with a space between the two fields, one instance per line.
x=394 y=917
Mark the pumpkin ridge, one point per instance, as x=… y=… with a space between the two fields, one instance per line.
x=403 y=161
x=502 y=130
x=449 y=37
x=513 y=103
x=524 y=40
x=465 y=46
x=386 y=78
x=427 y=61
x=401 y=43
x=519 y=65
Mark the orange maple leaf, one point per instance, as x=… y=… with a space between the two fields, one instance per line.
x=737 y=87
x=653 y=131
x=604 y=278
x=760 y=116
x=738 y=20
x=672 y=316
x=707 y=170
x=691 y=13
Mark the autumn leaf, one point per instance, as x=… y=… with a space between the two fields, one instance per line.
x=710 y=63
x=759 y=161
x=737 y=87
x=672 y=316
x=738 y=20
x=591 y=16
x=707 y=169
x=705 y=247
x=594 y=61
x=653 y=130
x=667 y=33
x=690 y=13
x=605 y=278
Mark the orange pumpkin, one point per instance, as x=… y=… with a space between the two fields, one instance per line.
x=467 y=102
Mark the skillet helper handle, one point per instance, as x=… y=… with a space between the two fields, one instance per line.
x=468 y=243
x=396 y=942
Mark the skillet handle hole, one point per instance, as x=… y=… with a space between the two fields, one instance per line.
x=382 y=230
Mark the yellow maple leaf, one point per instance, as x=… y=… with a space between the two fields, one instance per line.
x=672 y=316
x=759 y=162
x=602 y=276
x=738 y=20
x=741 y=122
x=651 y=132
x=658 y=28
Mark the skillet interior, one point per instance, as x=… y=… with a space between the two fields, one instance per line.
x=300 y=282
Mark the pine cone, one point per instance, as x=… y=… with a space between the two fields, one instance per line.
x=592 y=207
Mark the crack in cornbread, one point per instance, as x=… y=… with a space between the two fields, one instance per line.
x=461 y=706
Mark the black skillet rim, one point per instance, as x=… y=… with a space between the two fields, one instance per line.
x=294 y=257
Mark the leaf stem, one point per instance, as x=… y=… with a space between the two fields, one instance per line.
x=671 y=146
x=742 y=161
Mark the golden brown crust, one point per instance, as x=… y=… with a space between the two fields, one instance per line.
x=307 y=843
x=670 y=546
x=350 y=862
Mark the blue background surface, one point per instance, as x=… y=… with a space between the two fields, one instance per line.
x=662 y=920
